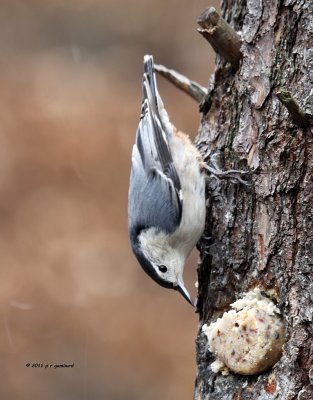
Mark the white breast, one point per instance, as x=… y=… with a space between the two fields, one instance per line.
x=186 y=160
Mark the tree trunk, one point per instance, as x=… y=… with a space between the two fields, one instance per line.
x=261 y=235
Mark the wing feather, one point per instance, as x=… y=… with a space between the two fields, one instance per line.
x=155 y=192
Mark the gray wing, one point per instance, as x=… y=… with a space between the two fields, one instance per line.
x=155 y=193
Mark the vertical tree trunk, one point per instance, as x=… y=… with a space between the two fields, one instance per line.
x=261 y=235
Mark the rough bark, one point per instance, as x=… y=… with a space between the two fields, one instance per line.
x=261 y=235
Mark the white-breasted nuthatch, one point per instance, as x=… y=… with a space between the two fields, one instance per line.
x=166 y=201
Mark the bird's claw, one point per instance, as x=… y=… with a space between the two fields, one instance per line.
x=233 y=175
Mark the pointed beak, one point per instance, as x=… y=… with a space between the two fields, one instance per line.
x=183 y=291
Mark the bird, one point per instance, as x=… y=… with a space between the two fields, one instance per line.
x=166 y=198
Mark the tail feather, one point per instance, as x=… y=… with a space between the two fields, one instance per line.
x=149 y=76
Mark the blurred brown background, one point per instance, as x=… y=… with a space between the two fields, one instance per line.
x=71 y=290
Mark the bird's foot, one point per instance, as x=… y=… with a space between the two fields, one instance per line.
x=234 y=175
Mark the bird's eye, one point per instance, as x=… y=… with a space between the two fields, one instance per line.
x=162 y=268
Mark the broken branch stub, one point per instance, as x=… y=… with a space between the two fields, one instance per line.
x=222 y=37
x=297 y=114
x=193 y=89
